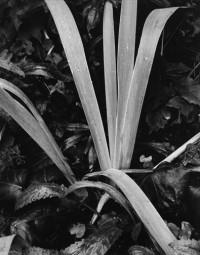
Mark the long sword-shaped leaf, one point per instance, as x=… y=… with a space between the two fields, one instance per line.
x=28 y=122
x=110 y=73
x=133 y=103
x=126 y=54
x=144 y=209
x=74 y=50
x=16 y=91
x=179 y=151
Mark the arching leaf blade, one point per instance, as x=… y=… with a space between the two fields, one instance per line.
x=74 y=51
x=16 y=91
x=144 y=208
x=26 y=120
x=113 y=192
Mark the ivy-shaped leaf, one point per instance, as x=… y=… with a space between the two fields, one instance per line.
x=38 y=192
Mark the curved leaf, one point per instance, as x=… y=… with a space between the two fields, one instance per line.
x=38 y=192
x=143 y=207
x=33 y=125
x=113 y=192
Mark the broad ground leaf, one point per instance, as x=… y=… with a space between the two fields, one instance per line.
x=37 y=192
x=171 y=184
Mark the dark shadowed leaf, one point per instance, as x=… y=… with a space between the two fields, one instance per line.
x=46 y=174
x=175 y=69
x=188 y=89
x=37 y=192
x=183 y=106
x=11 y=186
x=171 y=184
x=158 y=118
x=25 y=224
